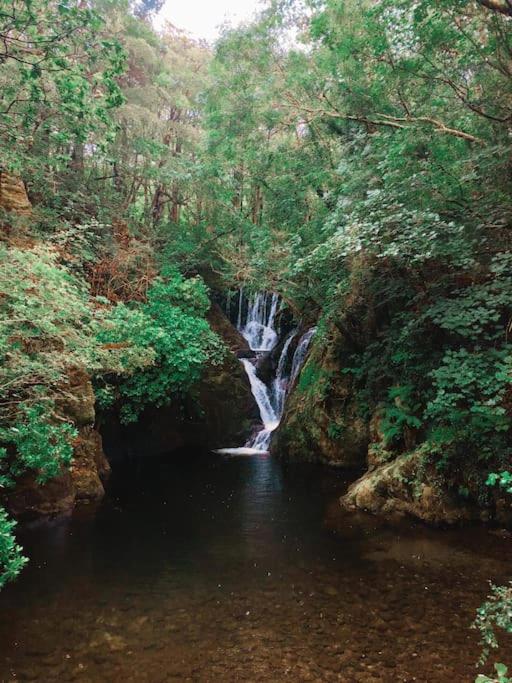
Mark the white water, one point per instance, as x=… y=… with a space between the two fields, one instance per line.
x=281 y=381
x=257 y=323
x=261 y=393
x=258 y=326
x=300 y=354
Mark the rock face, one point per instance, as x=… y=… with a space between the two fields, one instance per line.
x=13 y=195
x=410 y=485
x=219 y=413
x=89 y=469
x=405 y=486
x=320 y=422
x=323 y=422
x=221 y=324
x=30 y=499
x=83 y=481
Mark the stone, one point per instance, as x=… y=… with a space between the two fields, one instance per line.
x=220 y=323
x=89 y=467
x=406 y=486
x=13 y=195
x=83 y=481
x=321 y=422
x=30 y=499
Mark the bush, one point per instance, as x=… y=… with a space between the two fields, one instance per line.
x=11 y=559
x=169 y=327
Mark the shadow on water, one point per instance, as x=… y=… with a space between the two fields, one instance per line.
x=208 y=568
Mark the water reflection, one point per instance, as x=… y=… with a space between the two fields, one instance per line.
x=207 y=568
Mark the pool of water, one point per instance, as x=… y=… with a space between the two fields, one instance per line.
x=202 y=567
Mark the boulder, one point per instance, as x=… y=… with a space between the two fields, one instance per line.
x=321 y=422
x=90 y=468
x=407 y=486
x=30 y=499
x=13 y=195
x=84 y=479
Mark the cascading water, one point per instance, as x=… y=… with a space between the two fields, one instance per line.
x=300 y=353
x=259 y=326
x=260 y=391
x=257 y=323
x=281 y=381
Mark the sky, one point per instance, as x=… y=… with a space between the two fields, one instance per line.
x=201 y=18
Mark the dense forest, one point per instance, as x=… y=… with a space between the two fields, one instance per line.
x=353 y=157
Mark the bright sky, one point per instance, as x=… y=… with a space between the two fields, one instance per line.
x=202 y=18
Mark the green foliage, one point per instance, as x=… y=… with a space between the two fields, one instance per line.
x=495 y=613
x=313 y=380
x=58 y=80
x=335 y=431
x=501 y=479
x=41 y=445
x=11 y=558
x=401 y=414
x=170 y=326
x=500 y=677
x=46 y=327
x=470 y=390
x=48 y=324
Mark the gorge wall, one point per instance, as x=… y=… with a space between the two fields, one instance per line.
x=219 y=412
x=345 y=416
x=84 y=479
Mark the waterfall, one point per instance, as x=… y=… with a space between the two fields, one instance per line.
x=281 y=380
x=258 y=328
x=257 y=324
x=261 y=393
x=300 y=353
x=240 y=301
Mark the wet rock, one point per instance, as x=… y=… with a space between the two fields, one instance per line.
x=321 y=421
x=406 y=487
x=83 y=481
x=219 y=412
x=265 y=367
x=30 y=499
x=221 y=324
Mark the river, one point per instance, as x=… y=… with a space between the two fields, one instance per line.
x=202 y=567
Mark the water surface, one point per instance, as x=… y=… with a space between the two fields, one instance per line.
x=199 y=567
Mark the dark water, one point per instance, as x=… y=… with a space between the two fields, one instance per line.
x=204 y=568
